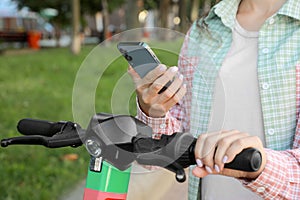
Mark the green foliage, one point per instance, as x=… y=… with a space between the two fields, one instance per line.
x=64 y=7
x=151 y=4
x=37 y=85
x=96 y=5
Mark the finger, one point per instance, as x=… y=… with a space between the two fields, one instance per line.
x=160 y=82
x=199 y=146
x=207 y=145
x=152 y=76
x=176 y=98
x=220 y=157
x=199 y=172
x=209 y=148
x=172 y=89
x=242 y=143
x=135 y=76
x=145 y=82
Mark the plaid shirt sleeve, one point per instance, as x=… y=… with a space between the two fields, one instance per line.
x=281 y=176
x=165 y=125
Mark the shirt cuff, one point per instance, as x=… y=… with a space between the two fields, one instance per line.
x=159 y=125
x=273 y=180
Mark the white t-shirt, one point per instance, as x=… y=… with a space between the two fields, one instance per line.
x=236 y=105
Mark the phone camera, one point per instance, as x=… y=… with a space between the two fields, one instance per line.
x=123 y=51
x=127 y=57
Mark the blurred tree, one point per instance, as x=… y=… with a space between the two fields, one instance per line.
x=207 y=5
x=106 y=18
x=65 y=10
x=76 y=36
x=151 y=4
x=93 y=6
x=105 y=6
x=164 y=8
x=63 y=7
x=133 y=7
x=184 y=23
x=195 y=9
x=188 y=10
x=132 y=11
x=61 y=20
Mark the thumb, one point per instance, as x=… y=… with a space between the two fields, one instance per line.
x=199 y=172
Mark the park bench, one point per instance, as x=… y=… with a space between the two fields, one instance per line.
x=9 y=36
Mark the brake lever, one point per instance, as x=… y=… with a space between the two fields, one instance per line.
x=157 y=152
x=70 y=135
x=162 y=161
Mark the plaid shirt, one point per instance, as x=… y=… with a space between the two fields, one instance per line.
x=278 y=71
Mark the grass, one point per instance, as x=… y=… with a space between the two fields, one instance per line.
x=39 y=85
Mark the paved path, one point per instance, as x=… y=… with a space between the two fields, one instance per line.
x=76 y=193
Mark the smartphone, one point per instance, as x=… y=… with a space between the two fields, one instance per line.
x=141 y=58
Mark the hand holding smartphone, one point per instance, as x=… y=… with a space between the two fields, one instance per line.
x=153 y=101
x=141 y=58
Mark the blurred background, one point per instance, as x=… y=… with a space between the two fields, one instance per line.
x=42 y=45
x=52 y=23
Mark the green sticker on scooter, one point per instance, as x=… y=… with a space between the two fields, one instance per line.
x=110 y=179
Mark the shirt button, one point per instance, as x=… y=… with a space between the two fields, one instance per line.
x=271 y=131
x=265 y=86
x=265 y=50
x=162 y=126
x=271 y=21
x=260 y=189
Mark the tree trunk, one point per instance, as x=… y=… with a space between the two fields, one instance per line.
x=207 y=6
x=195 y=10
x=132 y=14
x=106 y=32
x=57 y=34
x=183 y=15
x=164 y=13
x=76 y=37
x=132 y=22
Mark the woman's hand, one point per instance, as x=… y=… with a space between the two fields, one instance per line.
x=213 y=150
x=147 y=89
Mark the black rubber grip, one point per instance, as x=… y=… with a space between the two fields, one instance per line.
x=180 y=147
x=39 y=127
x=248 y=160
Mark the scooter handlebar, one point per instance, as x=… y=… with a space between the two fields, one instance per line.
x=180 y=149
x=40 y=127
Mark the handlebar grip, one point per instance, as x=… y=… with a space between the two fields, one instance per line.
x=39 y=127
x=181 y=147
x=248 y=160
